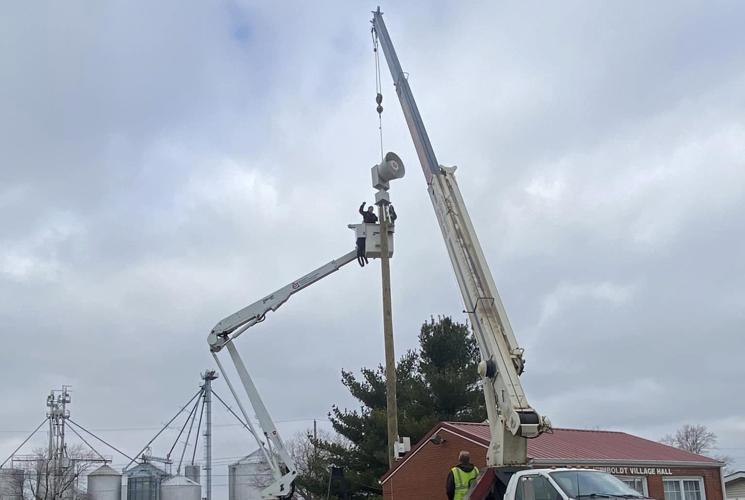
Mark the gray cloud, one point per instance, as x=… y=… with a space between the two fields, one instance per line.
x=162 y=166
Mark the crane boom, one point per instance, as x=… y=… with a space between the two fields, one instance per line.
x=511 y=419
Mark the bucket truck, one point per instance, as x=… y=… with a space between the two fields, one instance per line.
x=512 y=421
x=562 y=484
x=224 y=334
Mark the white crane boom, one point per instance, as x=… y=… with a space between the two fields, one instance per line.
x=511 y=419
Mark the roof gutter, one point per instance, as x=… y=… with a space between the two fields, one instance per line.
x=616 y=461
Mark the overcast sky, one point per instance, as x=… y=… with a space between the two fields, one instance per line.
x=163 y=164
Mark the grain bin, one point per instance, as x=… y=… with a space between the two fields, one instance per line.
x=11 y=484
x=104 y=483
x=143 y=482
x=180 y=488
x=248 y=477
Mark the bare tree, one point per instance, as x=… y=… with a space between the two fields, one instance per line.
x=45 y=479
x=699 y=440
x=257 y=475
x=312 y=463
x=696 y=439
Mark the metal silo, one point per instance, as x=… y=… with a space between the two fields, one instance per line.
x=104 y=483
x=248 y=476
x=11 y=484
x=180 y=488
x=143 y=482
x=193 y=472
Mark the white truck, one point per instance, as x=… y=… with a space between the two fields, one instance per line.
x=564 y=484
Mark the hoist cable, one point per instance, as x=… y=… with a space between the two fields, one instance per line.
x=378 y=93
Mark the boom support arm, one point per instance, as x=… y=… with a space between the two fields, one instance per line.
x=223 y=335
x=511 y=418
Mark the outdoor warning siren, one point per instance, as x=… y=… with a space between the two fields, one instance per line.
x=390 y=168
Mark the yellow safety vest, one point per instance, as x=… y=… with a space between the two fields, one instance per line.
x=463 y=481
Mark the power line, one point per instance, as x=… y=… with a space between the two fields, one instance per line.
x=153 y=428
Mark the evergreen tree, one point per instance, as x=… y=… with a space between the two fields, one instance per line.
x=437 y=382
x=448 y=363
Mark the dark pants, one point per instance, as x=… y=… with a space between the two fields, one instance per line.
x=361 y=258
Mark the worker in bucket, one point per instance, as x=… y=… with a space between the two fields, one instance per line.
x=461 y=477
x=368 y=217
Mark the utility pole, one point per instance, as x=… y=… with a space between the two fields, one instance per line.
x=391 y=167
x=390 y=355
x=208 y=376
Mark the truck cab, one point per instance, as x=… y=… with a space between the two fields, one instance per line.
x=566 y=484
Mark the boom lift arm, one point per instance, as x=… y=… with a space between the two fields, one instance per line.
x=230 y=328
x=234 y=325
x=224 y=334
x=511 y=419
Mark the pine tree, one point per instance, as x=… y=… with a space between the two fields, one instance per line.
x=435 y=383
x=448 y=364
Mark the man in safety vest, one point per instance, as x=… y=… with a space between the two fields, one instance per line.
x=461 y=477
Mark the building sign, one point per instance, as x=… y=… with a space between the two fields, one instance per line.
x=636 y=471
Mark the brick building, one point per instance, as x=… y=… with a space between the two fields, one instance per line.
x=659 y=471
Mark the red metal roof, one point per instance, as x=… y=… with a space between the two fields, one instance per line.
x=574 y=447
x=566 y=445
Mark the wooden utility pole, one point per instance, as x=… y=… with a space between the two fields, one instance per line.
x=390 y=356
